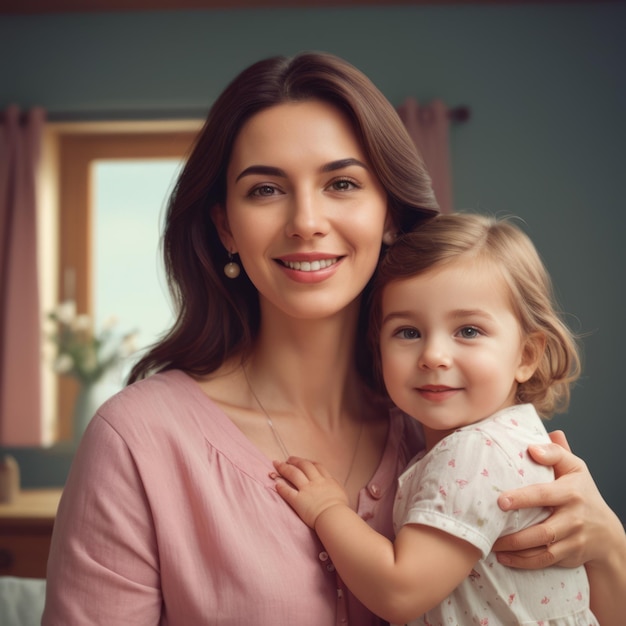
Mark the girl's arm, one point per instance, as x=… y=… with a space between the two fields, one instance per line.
x=398 y=581
x=582 y=530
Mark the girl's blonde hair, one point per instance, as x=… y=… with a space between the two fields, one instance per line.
x=446 y=238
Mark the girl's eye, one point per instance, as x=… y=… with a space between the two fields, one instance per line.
x=343 y=184
x=469 y=332
x=407 y=333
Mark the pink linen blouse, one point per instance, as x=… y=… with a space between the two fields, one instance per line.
x=169 y=517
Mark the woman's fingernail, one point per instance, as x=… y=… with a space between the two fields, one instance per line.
x=504 y=559
x=505 y=502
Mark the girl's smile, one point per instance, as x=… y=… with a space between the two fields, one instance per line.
x=437 y=393
x=451 y=346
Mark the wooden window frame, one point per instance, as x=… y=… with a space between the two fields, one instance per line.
x=76 y=153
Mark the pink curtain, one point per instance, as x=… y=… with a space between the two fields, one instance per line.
x=428 y=126
x=20 y=319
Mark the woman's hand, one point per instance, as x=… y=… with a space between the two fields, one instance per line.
x=582 y=530
x=576 y=532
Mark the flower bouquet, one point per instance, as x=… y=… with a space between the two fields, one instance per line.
x=86 y=355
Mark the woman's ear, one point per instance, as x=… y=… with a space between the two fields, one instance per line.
x=220 y=219
x=532 y=353
x=390 y=232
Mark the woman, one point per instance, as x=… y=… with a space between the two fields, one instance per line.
x=273 y=232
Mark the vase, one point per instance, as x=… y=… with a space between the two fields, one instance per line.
x=88 y=400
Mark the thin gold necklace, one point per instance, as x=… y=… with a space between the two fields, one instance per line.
x=280 y=442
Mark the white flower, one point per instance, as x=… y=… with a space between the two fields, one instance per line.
x=66 y=312
x=63 y=363
x=128 y=345
x=81 y=352
x=82 y=322
x=109 y=322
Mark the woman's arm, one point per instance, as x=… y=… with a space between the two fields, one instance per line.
x=398 y=581
x=103 y=562
x=581 y=530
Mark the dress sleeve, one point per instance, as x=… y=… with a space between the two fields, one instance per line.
x=455 y=488
x=103 y=566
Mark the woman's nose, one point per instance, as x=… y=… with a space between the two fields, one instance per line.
x=435 y=354
x=307 y=216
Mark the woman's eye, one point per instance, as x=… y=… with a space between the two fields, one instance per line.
x=343 y=184
x=469 y=332
x=263 y=191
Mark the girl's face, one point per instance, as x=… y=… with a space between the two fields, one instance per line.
x=451 y=346
x=303 y=209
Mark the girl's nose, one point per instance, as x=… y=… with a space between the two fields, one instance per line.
x=434 y=354
x=307 y=217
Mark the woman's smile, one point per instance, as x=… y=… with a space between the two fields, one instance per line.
x=309 y=265
x=307 y=223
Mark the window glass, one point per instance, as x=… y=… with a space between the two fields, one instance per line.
x=129 y=286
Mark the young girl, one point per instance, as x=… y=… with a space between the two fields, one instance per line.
x=471 y=346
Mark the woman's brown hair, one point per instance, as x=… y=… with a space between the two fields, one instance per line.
x=218 y=317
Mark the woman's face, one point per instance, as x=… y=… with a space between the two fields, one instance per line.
x=303 y=209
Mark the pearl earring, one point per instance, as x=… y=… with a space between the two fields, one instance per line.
x=231 y=269
x=389 y=236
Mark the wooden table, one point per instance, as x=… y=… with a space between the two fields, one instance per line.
x=25 y=532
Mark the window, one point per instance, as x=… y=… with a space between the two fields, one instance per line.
x=128 y=283
x=112 y=188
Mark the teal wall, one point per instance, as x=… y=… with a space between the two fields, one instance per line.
x=545 y=142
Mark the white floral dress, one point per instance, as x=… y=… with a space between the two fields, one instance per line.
x=455 y=487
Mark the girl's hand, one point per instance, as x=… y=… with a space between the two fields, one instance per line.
x=582 y=528
x=308 y=488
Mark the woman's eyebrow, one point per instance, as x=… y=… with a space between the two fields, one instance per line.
x=269 y=170
x=341 y=163
x=266 y=170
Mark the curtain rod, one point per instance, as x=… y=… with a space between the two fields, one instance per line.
x=459 y=114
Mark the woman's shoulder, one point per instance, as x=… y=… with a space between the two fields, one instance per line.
x=169 y=420
x=170 y=386
x=162 y=401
